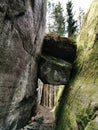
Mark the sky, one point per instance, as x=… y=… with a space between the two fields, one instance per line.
x=84 y=4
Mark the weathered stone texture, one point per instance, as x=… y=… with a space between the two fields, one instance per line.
x=22 y=24
x=54 y=71
x=79 y=103
x=56 y=63
x=59 y=47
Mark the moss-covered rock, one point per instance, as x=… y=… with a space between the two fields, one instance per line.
x=59 y=47
x=80 y=100
x=93 y=125
x=58 y=55
x=54 y=71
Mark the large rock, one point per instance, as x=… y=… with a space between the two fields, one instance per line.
x=79 y=102
x=22 y=24
x=59 y=47
x=54 y=71
x=58 y=55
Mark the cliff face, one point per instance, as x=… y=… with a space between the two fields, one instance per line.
x=79 y=102
x=22 y=24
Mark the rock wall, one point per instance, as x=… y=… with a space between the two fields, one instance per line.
x=22 y=24
x=78 y=109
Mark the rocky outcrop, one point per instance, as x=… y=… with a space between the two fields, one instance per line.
x=58 y=55
x=22 y=24
x=79 y=102
x=59 y=47
x=54 y=71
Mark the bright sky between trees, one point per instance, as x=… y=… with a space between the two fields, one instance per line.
x=84 y=4
x=78 y=5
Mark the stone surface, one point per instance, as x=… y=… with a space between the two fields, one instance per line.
x=92 y=125
x=58 y=55
x=22 y=24
x=59 y=47
x=54 y=71
x=39 y=126
x=79 y=102
x=44 y=120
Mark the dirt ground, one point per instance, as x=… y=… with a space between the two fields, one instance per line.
x=47 y=114
x=44 y=120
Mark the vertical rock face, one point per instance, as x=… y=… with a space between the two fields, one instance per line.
x=79 y=103
x=22 y=24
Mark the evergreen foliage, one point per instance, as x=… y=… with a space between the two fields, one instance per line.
x=71 y=23
x=59 y=22
x=56 y=19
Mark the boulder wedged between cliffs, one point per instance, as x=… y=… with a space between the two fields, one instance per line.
x=59 y=47
x=56 y=62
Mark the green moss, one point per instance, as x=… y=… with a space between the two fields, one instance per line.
x=66 y=118
x=92 y=126
x=84 y=116
x=55 y=61
x=82 y=94
x=60 y=38
x=59 y=94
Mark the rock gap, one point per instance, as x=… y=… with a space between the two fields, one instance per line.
x=55 y=66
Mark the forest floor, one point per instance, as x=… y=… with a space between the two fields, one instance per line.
x=44 y=120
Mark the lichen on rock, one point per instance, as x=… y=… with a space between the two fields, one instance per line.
x=56 y=62
x=81 y=97
x=54 y=71
x=21 y=27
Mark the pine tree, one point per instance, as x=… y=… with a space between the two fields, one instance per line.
x=56 y=19
x=71 y=23
x=50 y=18
x=59 y=20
